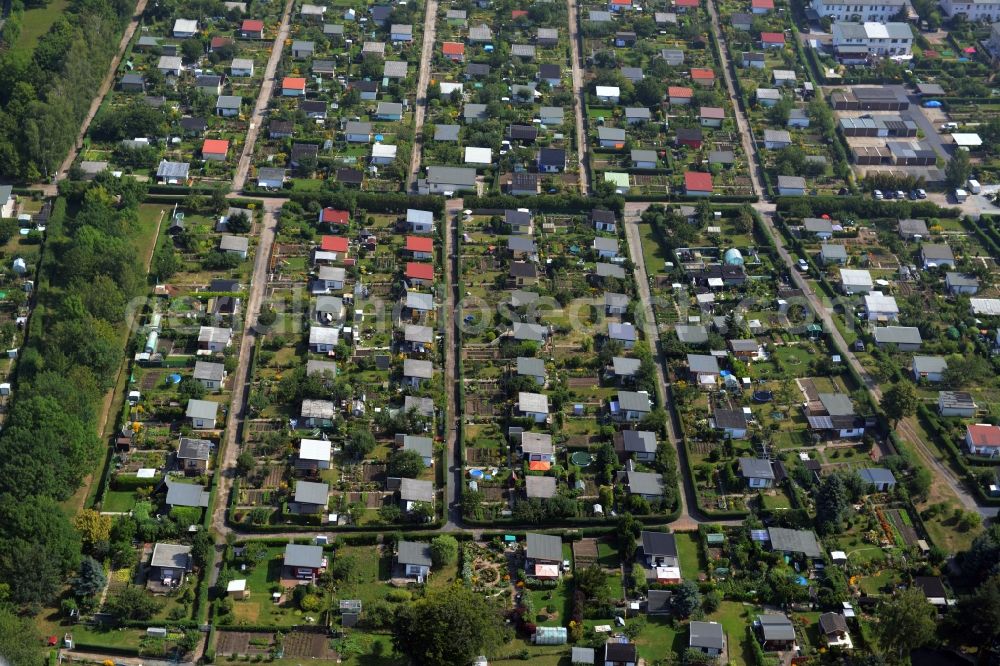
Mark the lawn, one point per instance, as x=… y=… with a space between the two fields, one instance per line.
x=873 y=585
x=558 y=599
x=36 y=22
x=118 y=501
x=689 y=555
x=734 y=617
x=658 y=639
x=96 y=636
x=607 y=554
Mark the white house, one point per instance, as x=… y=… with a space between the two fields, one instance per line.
x=184 y=28
x=314 y=454
x=415 y=558
x=534 y=406
x=983 y=439
x=241 y=67
x=854 y=281
x=972 y=9
x=419 y=221
x=323 y=339
x=608 y=94
x=864 y=10
x=929 y=368
x=202 y=413
x=881 y=39
x=758 y=472
x=881 y=307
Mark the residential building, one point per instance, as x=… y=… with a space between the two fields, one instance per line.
x=881 y=11
x=929 y=368
x=758 y=472
x=957 y=403
x=983 y=439
x=905 y=338
x=415 y=559
x=879 y=477
x=873 y=38
x=202 y=414
x=706 y=638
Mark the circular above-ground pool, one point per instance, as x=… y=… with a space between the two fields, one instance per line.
x=476 y=473
x=581 y=458
x=763 y=396
x=174 y=378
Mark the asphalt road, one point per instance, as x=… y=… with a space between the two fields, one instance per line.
x=582 y=152
x=423 y=80
x=260 y=106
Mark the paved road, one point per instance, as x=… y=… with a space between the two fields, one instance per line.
x=582 y=150
x=260 y=107
x=453 y=474
x=51 y=189
x=650 y=331
x=229 y=448
x=423 y=80
x=742 y=126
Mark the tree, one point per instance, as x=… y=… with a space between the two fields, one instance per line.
x=92 y=526
x=979 y=614
x=20 y=644
x=191 y=49
x=906 y=621
x=245 y=463
x=359 y=443
x=132 y=603
x=444 y=550
x=957 y=171
x=687 y=599
x=448 y=627
x=238 y=223
x=38 y=538
x=900 y=401
x=626 y=532
x=404 y=463
x=831 y=504
x=91 y=579
x=592 y=583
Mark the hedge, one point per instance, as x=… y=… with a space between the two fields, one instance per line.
x=132 y=482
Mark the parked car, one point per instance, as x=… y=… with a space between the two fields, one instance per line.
x=878 y=195
x=921 y=194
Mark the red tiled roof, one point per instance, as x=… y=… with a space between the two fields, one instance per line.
x=253 y=25
x=679 y=91
x=762 y=4
x=981 y=434
x=334 y=216
x=453 y=48
x=218 y=42
x=702 y=73
x=215 y=147
x=772 y=37
x=686 y=3
x=419 y=244
x=712 y=112
x=333 y=244
x=627 y=3
x=518 y=13
x=697 y=181
x=293 y=83
x=419 y=271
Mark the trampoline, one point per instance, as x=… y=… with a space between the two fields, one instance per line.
x=581 y=458
x=763 y=396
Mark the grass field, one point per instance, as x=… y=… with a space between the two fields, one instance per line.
x=689 y=555
x=36 y=22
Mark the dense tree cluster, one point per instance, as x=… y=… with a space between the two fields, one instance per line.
x=74 y=347
x=45 y=93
